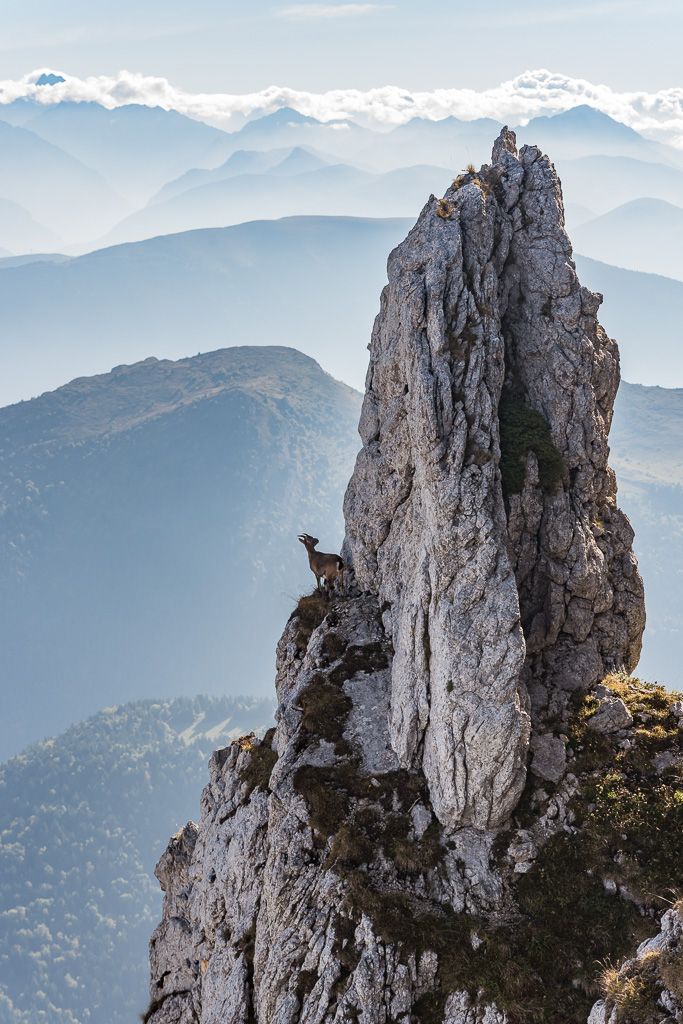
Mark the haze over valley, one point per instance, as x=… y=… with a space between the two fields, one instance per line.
x=188 y=282
x=274 y=233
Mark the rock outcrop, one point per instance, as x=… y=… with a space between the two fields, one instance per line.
x=351 y=866
x=486 y=340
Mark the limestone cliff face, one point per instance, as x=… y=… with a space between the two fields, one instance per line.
x=483 y=296
x=341 y=866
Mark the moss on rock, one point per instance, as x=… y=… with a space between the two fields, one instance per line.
x=544 y=962
x=523 y=430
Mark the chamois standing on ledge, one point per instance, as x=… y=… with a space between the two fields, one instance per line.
x=326 y=567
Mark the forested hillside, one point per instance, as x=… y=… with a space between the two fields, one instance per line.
x=83 y=819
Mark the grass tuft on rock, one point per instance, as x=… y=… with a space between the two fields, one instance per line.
x=262 y=760
x=310 y=611
x=326 y=708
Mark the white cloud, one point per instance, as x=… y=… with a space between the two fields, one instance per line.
x=658 y=115
x=330 y=10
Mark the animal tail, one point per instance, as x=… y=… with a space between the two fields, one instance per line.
x=340 y=562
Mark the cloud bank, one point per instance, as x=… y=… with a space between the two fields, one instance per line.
x=657 y=115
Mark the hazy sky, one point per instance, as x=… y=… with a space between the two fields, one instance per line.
x=224 y=46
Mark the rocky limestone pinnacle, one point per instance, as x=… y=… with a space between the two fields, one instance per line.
x=484 y=322
x=339 y=863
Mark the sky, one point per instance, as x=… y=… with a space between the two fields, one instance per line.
x=231 y=47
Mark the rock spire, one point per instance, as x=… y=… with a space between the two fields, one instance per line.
x=339 y=862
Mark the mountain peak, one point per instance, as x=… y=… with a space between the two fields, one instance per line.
x=279 y=118
x=585 y=118
x=49 y=79
x=491 y=602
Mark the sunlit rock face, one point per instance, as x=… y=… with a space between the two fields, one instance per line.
x=490 y=584
x=338 y=864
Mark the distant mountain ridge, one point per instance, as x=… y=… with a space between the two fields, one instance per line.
x=58 y=190
x=643 y=235
x=646 y=443
x=244 y=161
x=148 y=535
x=135 y=148
x=582 y=130
x=277 y=192
x=152 y=155
x=170 y=296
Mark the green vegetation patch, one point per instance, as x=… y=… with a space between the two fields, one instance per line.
x=542 y=967
x=632 y=812
x=260 y=767
x=362 y=813
x=310 y=611
x=545 y=963
x=326 y=708
x=523 y=430
x=325 y=705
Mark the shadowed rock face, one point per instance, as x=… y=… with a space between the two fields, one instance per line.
x=489 y=564
x=483 y=304
x=580 y=593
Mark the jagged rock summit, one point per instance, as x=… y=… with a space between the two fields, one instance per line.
x=483 y=327
x=347 y=867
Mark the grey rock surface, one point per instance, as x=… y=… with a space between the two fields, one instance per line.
x=486 y=595
x=611 y=715
x=490 y=574
x=256 y=918
x=426 y=526
x=549 y=759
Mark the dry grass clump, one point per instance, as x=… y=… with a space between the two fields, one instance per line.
x=634 y=990
x=261 y=762
x=310 y=611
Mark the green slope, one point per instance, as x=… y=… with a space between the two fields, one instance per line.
x=83 y=819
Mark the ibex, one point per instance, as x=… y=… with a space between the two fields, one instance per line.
x=326 y=567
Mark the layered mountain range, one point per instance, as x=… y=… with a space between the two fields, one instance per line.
x=467 y=802
x=76 y=175
x=169 y=296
